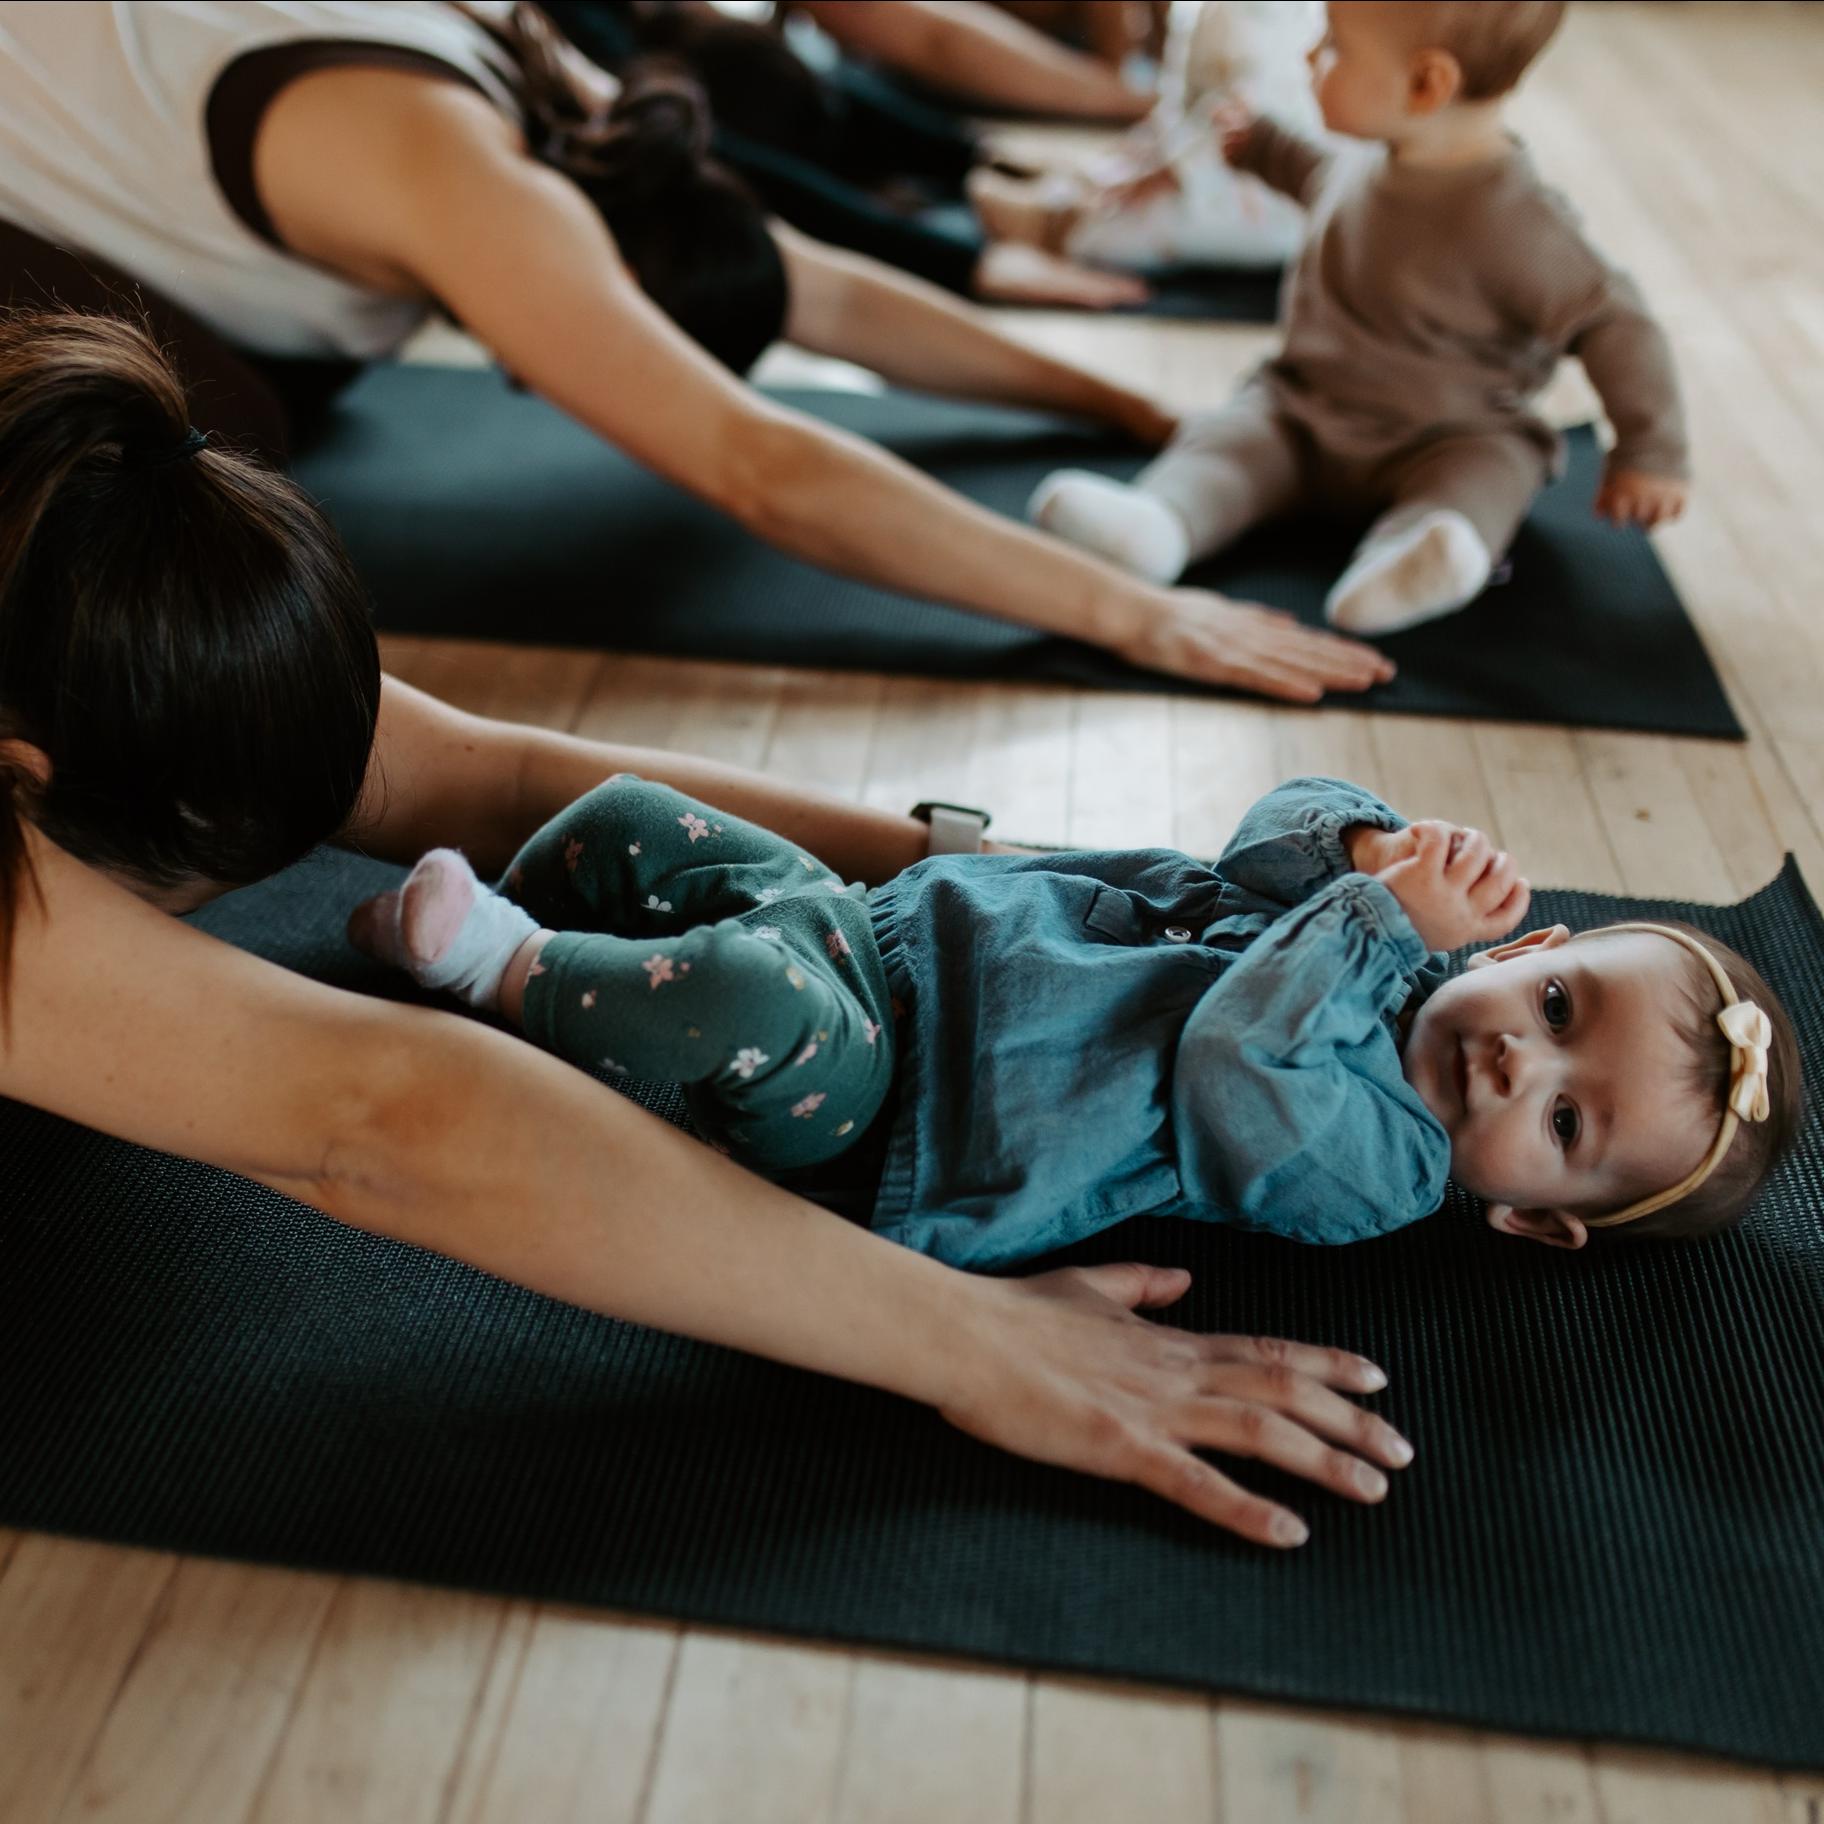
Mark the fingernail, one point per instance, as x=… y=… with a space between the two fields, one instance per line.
x=1370 y=1480
x=1400 y=1451
x=1288 y=1529
x=1373 y=1379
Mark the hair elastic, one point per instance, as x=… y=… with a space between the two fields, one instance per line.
x=193 y=441
x=1749 y=1032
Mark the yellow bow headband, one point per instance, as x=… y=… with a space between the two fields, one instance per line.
x=1750 y=1033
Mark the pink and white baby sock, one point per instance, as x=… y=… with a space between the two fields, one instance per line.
x=448 y=931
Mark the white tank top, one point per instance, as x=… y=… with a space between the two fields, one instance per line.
x=103 y=148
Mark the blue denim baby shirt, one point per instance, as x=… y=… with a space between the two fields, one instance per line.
x=1090 y=1036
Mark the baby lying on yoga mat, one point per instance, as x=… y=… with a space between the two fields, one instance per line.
x=1439 y=284
x=1035 y=1047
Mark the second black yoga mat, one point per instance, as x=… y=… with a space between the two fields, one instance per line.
x=473 y=510
x=1614 y=1526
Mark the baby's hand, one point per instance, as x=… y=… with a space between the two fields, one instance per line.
x=1371 y=850
x=1631 y=497
x=1232 y=121
x=1456 y=886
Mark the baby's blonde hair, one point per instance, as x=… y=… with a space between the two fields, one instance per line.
x=1493 y=41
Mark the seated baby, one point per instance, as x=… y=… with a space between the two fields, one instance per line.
x=1439 y=284
x=1012 y=1052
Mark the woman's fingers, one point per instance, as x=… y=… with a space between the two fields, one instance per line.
x=1172 y=1473
x=1333 y=1367
x=1011 y=272
x=1072 y=1375
x=1245 y=1428
x=1137 y=1286
x=1264 y=648
x=1202 y=636
x=1313 y=1405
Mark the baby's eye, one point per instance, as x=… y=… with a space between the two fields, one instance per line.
x=1556 y=1005
x=1565 y=1124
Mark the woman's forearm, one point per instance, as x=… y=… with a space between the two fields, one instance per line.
x=981 y=54
x=443 y=777
x=572 y=1190
x=845 y=504
x=499 y=1156
x=917 y=336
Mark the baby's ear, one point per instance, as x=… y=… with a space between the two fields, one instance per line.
x=1434 y=80
x=1556 y=1228
x=1548 y=938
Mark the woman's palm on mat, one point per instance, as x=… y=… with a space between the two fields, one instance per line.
x=1194 y=634
x=1082 y=1382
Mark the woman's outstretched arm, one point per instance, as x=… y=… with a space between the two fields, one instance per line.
x=918 y=336
x=440 y=777
x=442 y=1132
x=415 y=182
x=986 y=56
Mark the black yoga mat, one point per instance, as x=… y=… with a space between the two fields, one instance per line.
x=478 y=511
x=1614 y=1527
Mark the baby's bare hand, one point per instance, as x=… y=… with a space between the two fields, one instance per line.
x=1456 y=886
x=1232 y=121
x=1631 y=497
x=1374 y=851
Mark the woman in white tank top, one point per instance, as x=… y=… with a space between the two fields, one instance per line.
x=385 y=188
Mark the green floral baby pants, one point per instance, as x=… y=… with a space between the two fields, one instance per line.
x=695 y=948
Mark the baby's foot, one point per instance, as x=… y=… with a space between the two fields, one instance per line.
x=1132 y=529
x=445 y=929
x=1430 y=568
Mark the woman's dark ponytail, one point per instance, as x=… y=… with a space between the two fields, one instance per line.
x=182 y=638
x=64 y=399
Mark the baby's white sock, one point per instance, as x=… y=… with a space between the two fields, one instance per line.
x=1131 y=528
x=453 y=933
x=1430 y=568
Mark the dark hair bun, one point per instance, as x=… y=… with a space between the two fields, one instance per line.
x=78 y=389
x=666 y=120
x=654 y=137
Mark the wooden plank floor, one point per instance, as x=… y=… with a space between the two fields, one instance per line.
x=137 y=1688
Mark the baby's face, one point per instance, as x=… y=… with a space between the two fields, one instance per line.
x=1558 y=1071
x=1360 y=70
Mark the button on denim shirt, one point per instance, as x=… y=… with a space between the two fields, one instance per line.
x=1087 y=1037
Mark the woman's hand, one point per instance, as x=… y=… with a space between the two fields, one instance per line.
x=1192 y=633
x=1456 y=886
x=1013 y=272
x=1073 y=1377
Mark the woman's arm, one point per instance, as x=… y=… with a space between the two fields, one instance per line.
x=447 y=1134
x=440 y=777
x=417 y=182
x=982 y=55
x=915 y=335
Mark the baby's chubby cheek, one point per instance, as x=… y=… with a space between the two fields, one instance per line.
x=1487 y=1161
